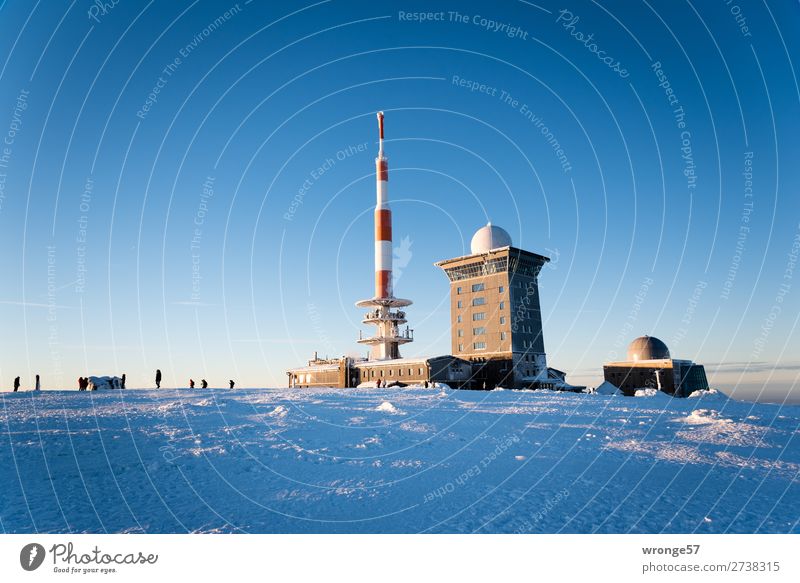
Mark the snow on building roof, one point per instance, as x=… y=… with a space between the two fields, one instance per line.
x=315 y=368
x=396 y=361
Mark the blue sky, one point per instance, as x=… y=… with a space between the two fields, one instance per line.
x=189 y=185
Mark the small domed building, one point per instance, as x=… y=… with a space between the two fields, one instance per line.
x=650 y=365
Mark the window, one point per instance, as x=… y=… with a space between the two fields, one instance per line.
x=373 y=374
x=479 y=345
x=502 y=319
x=502 y=305
x=479 y=301
x=458 y=290
x=477 y=331
x=381 y=372
x=478 y=316
x=460 y=333
x=502 y=335
x=411 y=372
x=400 y=372
x=390 y=372
x=458 y=319
x=502 y=289
x=461 y=348
x=460 y=305
x=420 y=371
x=476 y=287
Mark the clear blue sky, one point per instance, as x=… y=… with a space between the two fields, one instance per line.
x=191 y=265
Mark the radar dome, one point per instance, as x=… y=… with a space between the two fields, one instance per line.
x=647 y=348
x=488 y=238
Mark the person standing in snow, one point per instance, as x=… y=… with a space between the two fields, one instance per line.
x=232 y=383
x=158 y=378
x=38 y=384
x=122 y=381
x=191 y=383
x=16 y=384
x=204 y=384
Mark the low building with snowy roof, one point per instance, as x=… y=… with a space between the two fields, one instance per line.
x=650 y=365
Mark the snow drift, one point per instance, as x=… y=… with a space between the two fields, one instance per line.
x=333 y=460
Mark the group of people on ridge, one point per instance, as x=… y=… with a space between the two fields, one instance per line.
x=17 y=384
x=84 y=382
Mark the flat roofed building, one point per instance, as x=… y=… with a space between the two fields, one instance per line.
x=649 y=365
x=495 y=311
x=348 y=372
x=415 y=371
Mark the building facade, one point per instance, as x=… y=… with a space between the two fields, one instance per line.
x=349 y=372
x=649 y=365
x=496 y=315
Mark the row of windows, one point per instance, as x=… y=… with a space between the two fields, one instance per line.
x=481 y=301
x=478 y=287
x=488 y=267
x=479 y=316
x=371 y=373
x=477 y=332
x=479 y=345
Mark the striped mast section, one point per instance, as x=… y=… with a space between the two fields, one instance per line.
x=383 y=222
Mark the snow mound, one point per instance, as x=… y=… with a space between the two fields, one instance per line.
x=279 y=411
x=649 y=392
x=709 y=394
x=387 y=407
x=606 y=388
x=704 y=417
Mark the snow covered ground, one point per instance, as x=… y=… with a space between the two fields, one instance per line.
x=394 y=460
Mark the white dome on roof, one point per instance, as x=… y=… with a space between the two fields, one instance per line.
x=647 y=348
x=488 y=238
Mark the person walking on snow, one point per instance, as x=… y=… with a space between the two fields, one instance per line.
x=232 y=383
x=38 y=385
x=158 y=378
x=204 y=384
x=122 y=381
x=191 y=383
x=16 y=384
